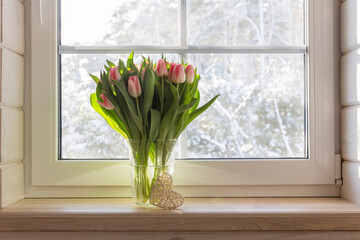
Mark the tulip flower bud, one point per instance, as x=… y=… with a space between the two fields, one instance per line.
x=178 y=74
x=190 y=74
x=161 y=69
x=114 y=74
x=106 y=103
x=134 y=87
x=171 y=71
x=142 y=76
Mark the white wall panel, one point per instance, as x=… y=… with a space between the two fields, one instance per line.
x=350 y=78
x=11 y=101
x=12 y=78
x=349 y=25
x=13 y=25
x=11 y=183
x=350 y=133
x=351 y=181
x=12 y=134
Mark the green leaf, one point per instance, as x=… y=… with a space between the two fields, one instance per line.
x=135 y=132
x=107 y=68
x=108 y=116
x=111 y=64
x=155 y=116
x=126 y=73
x=123 y=112
x=133 y=129
x=105 y=82
x=185 y=107
x=175 y=127
x=130 y=60
x=121 y=65
x=113 y=101
x=197 y=97
x=96 y=79
x=200 y=110
x=126 y=96
x=193 y=88
x=182 y=123
x=183 y=92
x=130 y=105
x=149 y=82
x=170 y=92
x=159 y=93
x=134 y=68
x=170 y=114
x=99 y=90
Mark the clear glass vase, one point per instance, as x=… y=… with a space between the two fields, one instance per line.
x=148 y=160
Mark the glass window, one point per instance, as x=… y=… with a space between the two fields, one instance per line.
x=251 y=52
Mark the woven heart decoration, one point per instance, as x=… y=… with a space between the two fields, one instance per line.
x=162 y=194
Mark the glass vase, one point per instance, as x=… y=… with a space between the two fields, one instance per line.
x=148 y=160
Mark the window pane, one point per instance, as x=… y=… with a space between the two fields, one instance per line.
x=114 y=22
x=85 y=134
x=260 y=113
x=245 y=22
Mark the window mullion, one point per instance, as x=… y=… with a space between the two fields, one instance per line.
x=183 y=43
x=182 y=144
x=182 y=50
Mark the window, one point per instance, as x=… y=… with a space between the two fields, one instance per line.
x=257 y=62
x=268 y=128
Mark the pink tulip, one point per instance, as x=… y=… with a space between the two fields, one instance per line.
x=134 y=88
x=171 y=71
x=114 y=74
x=190 y=74
x=141 y=64
x=178 y=74
x=143 y=74
x=106 y=103
x=161 y=68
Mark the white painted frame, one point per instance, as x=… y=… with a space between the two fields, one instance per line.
x=262 y=177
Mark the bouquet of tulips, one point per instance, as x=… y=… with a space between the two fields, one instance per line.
x=149 y=104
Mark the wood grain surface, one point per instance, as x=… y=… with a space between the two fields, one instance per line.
x=263 y=235
x=199 y=215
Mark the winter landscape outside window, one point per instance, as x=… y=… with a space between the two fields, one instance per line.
x=251 y=52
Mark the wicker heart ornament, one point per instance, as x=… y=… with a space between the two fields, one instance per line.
x=162 y=194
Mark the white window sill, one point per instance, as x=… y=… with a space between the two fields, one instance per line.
x=196 y=215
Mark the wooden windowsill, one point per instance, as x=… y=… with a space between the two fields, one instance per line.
x=197 y=214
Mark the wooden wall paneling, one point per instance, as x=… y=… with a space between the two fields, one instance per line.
x=350 y=133
x=350 y=78
x=349 y=25
x=11 y=183
x=351 y=181
x=13 y=31
x=12 y=134
x=12 y=79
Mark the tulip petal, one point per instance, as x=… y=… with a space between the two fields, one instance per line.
x=106 y=103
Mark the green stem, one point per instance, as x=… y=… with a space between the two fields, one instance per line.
x=142 y=184
x=138 y=108
x=162 y=93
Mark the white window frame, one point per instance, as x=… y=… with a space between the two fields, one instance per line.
x=314 y=176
